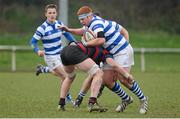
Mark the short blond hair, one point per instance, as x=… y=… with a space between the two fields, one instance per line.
x=84 y=10
x=50 y=6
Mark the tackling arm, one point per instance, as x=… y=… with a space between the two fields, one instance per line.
x=118 y=68
x=78 y=31
x=125 y=33
x=96 y=42
x=99 y=41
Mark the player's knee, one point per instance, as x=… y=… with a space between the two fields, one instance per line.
x=71 y=75
x=94 y=69
x=100 y=73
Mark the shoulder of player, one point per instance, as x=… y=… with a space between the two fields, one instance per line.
x=96 y=21
x=42 y=26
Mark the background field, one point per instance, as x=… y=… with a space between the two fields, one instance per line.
x=25 y=95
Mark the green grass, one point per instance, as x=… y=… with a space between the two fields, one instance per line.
x=25 y=95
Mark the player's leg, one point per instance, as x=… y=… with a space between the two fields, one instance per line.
x=96 y=73
x=66 y=86
x=41 y=69
x=56 y=67
x=44 y=69
x=109 y=80
x=126 y=60
x=133 y=86
x=101 y=90
x=61 y=73
x=85 y=87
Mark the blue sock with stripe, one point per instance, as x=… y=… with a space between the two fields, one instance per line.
x=120 y=92
x=45 y=69
x=82 y=94
x=137 y=91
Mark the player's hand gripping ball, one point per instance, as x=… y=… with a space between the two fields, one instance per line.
x=88 y=35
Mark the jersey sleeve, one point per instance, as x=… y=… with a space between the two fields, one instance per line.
x=97 y=26
x=39 y=33
x=117 y=26
x=69 y=37
x=34 y=45
x=34 y=40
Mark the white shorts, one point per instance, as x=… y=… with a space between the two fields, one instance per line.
x=125 y=58
x=53 y=61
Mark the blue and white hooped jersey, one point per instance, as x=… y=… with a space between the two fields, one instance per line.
x=50 y=36
x=115 y=42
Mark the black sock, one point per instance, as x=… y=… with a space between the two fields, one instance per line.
x=62 y=101
x=92 y=100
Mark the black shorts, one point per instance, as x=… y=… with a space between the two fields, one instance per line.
x=71 y=55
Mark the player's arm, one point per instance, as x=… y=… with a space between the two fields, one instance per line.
x=118 y=68
x=122 y=30
x=34 y=41
x=34 y=45
x=69 y=37
x=100 y=40
x=125 y=33
x=78 y=31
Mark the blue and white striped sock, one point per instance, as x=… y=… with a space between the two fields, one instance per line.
x=82 y=94
x=137 y=91
x=45 y=69
x=120 y=92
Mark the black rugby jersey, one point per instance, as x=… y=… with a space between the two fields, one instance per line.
x=98 y=54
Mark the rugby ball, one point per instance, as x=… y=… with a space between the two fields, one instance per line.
x=88 y=35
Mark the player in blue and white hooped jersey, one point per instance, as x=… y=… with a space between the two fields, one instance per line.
x=50 y=35
x=114 y=38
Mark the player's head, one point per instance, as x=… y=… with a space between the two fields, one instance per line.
x=85 y=15
x=51 y=12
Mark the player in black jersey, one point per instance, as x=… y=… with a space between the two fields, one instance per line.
x=74 y=56
x=79 y=56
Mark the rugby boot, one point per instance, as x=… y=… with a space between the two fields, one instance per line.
x=124 y=104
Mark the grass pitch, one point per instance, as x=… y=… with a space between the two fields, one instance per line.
x=27 y=96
